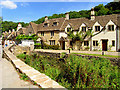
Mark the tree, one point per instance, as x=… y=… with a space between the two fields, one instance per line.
x=81 y=36
x=101 y=10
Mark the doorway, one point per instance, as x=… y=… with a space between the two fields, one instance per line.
x=62 y=45
x=104 y=45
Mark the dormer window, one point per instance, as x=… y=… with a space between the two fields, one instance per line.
x=45 y=24
x=68 y=29
x=52 y=33
x=111 y=27
x=84 y=29
x=42 y=33
x=55 y=23
x=97 y=28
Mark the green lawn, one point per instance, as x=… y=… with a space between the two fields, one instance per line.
x=98 y=55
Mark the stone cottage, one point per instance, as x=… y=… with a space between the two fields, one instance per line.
x=53 y=31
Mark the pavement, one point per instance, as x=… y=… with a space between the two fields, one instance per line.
x=9 y=77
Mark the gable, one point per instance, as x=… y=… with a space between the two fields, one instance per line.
x=110 y=23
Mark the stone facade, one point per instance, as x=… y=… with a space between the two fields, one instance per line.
x=53 y=32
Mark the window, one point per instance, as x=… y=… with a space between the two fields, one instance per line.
x=86 y=43
x=111 y=27
x=95 y=43
x=42 y=33
x=97 y=28
x=113 y=43
x=52 y=42
x=68 y=29
x=71 y=43
x=45 y=24
x=84 y=29
x=52 y=33
x=54 y=23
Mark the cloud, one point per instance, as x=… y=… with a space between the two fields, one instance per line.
x=8 y=4
x=24 y=4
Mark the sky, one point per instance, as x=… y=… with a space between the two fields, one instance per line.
x=17 y=11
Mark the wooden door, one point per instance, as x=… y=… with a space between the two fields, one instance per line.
x=104 y=45
x=63 y=45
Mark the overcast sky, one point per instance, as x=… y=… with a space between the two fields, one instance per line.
x=18 y=11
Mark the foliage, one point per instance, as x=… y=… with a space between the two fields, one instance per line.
x=63 y=54
x=87 y=48
x=80 y=36
x=54 y=47
x=38 y=46
x=78 y=72
x=23 y=77
x=27 y=37
x=9 y=25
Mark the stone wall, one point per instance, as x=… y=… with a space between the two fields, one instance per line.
x=19 y=49
x=35 y=76
x=53 y=55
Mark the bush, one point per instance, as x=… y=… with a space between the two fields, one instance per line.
x=54 y=47
x=87 y=48
x=38 y=46
x=21 y=56
x=77 y=72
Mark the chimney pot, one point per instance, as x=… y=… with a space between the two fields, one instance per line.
x=67 y=16
x=46 y=18
x=92 y=14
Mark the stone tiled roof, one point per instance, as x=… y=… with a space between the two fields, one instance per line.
x=75 y=23
x=34 y=26
x=50 y=26
x=103 y=20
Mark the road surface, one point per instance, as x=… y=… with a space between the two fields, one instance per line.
x=9 y=78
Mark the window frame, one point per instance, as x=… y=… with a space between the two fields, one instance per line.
x=86 y=43
x=42 y=33
x=45 y=24
x=55 y=24
x=52 y=42
x=95 y=43
x=97 y=29
x=52 y=33
x=68 y=29
x=110 y=27
x=113 y=44
x=84 y=28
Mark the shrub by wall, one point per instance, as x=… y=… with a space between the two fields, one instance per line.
x=77 y=72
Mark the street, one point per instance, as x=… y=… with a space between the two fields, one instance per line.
x=9 y=77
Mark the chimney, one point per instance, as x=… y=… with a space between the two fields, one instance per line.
x=46 y=18
x=67 y=16
x=92 y=14
x=19 y=26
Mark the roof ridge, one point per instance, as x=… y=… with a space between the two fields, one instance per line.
x=56 y=18
x=78 y=18
x=108 y=15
